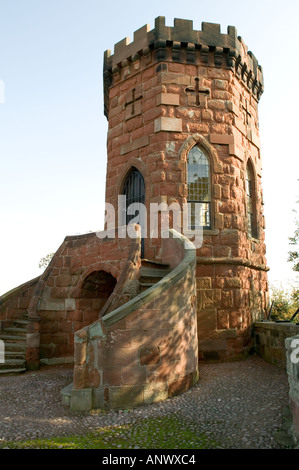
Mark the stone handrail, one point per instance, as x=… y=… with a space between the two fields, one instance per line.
x=157 y=289
x=109 y=375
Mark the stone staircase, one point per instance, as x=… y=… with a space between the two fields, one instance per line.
x=151 y=273
x=13 y=334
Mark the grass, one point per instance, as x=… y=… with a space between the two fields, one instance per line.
x=158 y=433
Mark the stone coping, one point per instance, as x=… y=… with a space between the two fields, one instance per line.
x=167 y=281
x=233 y=261
x=5 y=297
x=288 y=327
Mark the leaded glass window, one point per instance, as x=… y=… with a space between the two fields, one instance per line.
x=199 y=189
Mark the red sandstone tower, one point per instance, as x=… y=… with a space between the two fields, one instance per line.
x=182 y=107
x=137 y=317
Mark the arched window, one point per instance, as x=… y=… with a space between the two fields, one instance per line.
x=250 y=193
x=134 y=190
x=199 y=188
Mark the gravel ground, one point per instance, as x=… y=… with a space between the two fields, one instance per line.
x=239 y=404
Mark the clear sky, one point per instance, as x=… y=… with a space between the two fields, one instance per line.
x=53 y=131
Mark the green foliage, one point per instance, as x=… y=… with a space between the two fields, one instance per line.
x=294 y=241
x=44 y=262
x=166 y=432
x=285 y=303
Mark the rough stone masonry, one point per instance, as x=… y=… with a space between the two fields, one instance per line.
x=168 y=91
x=135 y=317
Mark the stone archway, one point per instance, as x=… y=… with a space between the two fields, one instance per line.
x=95 y=290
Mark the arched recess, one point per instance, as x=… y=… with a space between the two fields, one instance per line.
x=199 y=141
x=95 y=289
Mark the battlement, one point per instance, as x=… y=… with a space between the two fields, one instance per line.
x=182 y=44
x=182 y=34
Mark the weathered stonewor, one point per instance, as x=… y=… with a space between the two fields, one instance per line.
x=168 y=92
x=16 y=302
x=173 y=88
x=71 y=293
x=270 y=338
x=146 y=350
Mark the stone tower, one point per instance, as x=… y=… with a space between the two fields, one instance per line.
x=182 y=107
x=136 y=315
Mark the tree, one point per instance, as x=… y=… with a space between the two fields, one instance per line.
x=294 y=241
x=44 y=262
x=285 y=302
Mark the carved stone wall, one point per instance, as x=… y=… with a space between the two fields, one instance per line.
x=168 y=90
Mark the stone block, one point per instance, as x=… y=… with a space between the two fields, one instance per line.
x=66 y=394
x=96 y=330
x=203 y=283
x=51 y=304
x=229 y=237
x=70 y=304
x=168 y=99
x=212 y=345
x=207 y=320
x=79 y=376
x=81 y=400
x=93 y=377
x=220 y=84
x=133 y=375
x=223 y=319
x=168 y=124
x=111 y=376
x=233 y=282
x=99 y=398
x=149 y=355
x=80 y=353
x=180 y=385
x=64 y=280
x=126 y=397
x=136 y=144
x=175 y=78
x=211 y=298
x=33 y=340
x=155 y=392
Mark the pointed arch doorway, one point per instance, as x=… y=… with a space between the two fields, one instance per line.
x=134 y=190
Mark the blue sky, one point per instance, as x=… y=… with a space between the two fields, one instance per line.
x=53 y=131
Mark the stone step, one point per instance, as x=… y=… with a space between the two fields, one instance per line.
x=150 y=279
x=66 y=393
x=22 y=322
x=14 y=338
x=6 y=338
x=11 y=345
x=154 y=271
x=12 y=371
x=15 y=356
x=151 y=273
x=146 y=263
x=16 y=330
x=149 y=276
x=145 y=285
x=15 y=353
x=14 y=362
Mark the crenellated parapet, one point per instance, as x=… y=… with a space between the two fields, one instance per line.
x=181 y=43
